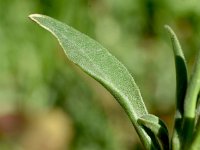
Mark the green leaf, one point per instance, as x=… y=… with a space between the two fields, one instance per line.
x=157 y=127
x=193 y=91
x=97 y=62
x=195 y=145
x=191 y=103
x=181 y=86
x=195 y=142
x=181 y=70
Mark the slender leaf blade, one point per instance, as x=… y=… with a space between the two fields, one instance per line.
x=195 y=142
x=181 y=70
x=181 y=86
x=191 y=102
x=193 y=90
x=96 y=61
x=197 y=113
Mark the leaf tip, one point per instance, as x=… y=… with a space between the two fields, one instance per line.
x=169 y=29
x=35 y=16
x=166 y=26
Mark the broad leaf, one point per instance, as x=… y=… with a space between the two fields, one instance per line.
x=96 y=61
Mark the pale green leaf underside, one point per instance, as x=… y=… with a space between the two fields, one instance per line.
x=96 y=61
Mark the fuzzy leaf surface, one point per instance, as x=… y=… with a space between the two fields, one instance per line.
x=97 y=62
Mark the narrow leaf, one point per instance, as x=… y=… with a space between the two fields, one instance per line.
x=193 y=90
x=181 y=70
x=195 y=142
x=181 y=86
x=195 y=145
x=97 y=62
x=191 y=101
x=197 y=115
x=157 y=127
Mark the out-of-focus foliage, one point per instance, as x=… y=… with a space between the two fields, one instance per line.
x=36 y=80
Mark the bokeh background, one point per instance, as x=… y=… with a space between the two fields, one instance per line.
x=48 y=103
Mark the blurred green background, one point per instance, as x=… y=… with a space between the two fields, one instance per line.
x=48 y=103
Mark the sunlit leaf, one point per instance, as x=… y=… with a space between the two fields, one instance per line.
x=96 y=61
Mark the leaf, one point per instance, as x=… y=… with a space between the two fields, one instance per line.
x=191 y=102
x=195 y=142
x=197 y=115
x=195 y=145
x=181 y=70
x=193 y=90
x=157 y=127
x=97 y=62
x=181 y=86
